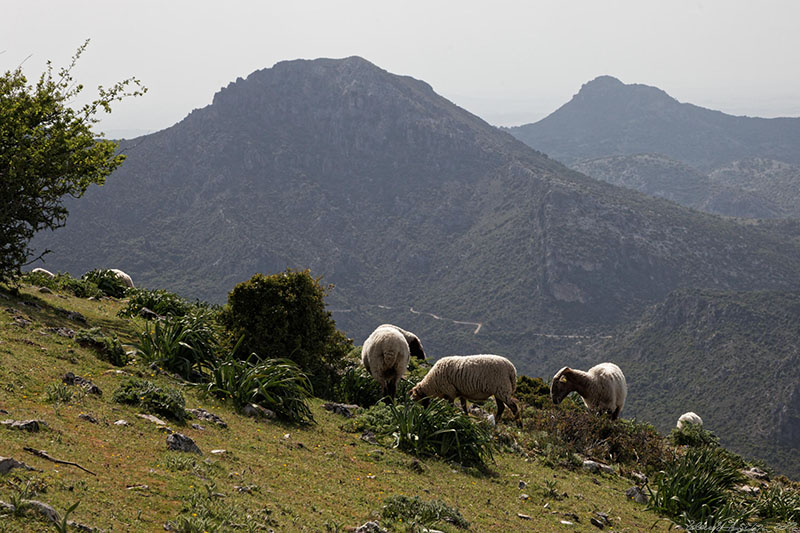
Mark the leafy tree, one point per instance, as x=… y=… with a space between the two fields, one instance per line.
x=48 y=150
x=283 y=316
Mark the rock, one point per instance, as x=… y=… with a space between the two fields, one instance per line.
x=572 y=516
x=122 y=423
x=597 y=523
x=755 y=473
x=636 y=494
x=151 y=418
x=9 y=463
x=523 y=496
x=417 y=466
x=62 y=332
x=747 y=489
x=198 y=427
x=522 y=485
x=369 y=436
x=370 y=527
x=138 y=487
x=45 y=290
x=22 y=322
x=147 y=314
x=25 y=425
x=567 y=523
x=595 y=467
x=181 y=443
x=218 y=452
x=346 y=410
x=245 y=489
x=603 y=517
x=71 y=379
x=523 y=516
x=88 y=418
x=76 y=317
x=44 y=509
x=639 y=477
x=202 y=414
x=257 y=411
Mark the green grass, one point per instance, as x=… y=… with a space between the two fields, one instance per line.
x=315 y=477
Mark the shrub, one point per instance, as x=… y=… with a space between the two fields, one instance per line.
x=108 y=348
x=107 y=281
x=436 y=430
x=277 y=384
x=621 y=441
x=417 y=512
x=283 y=316
x=186 y=345
x=357 y=386
x=159 y=301
x=63 y=283
x=533 y=392
x=694 y=490
x=59 y=393
x=153 y=399
x=778 y=504
x=693 y=435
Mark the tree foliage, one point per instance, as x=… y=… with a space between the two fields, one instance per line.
x=283 y=316
x=48 y=150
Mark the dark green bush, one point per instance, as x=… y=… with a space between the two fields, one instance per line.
x=163 y=401
x=107 y=281
x=693 y=435
x=438 y=430
x=159 y=301
x=64 y=283
x=416 y=512
x=357 y=386
x=283 y=316
x=277 y=384
x=186 y=345
x=533 y=392
x=778 y=504
x=108 y=348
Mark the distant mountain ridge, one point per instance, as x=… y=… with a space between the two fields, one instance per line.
x=609 y=118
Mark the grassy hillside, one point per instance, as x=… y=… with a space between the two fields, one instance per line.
x=272 y=476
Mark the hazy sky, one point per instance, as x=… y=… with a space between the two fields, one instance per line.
x=510 y=62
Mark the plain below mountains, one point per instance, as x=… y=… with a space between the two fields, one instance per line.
x=403 y=200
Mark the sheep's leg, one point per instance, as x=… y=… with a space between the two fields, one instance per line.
x=615 y=414
x=464 y=404
x=500 y=408
x=391 y=388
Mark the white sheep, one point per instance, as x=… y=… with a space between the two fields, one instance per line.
x=43 y=271
x=385 y=355
x=470 y=377
x=602 y=387
x=414 y=344
x=126 y=279
x=689 y=418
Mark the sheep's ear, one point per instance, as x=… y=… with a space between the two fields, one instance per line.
x=563 y=379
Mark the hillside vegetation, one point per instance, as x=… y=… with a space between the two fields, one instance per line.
x=329 y=474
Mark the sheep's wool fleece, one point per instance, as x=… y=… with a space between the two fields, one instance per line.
x=691 y=418
x=609 y=387
x=476 y=377
x=385 y=348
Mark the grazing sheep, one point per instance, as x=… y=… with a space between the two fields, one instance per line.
x=126 y=279
x=43 y=271
x=602 y=387
x=689 y=418
x=414 y=344
x=385 y=355
x=470 y=377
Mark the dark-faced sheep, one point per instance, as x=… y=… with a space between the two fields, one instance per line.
x=602 y=387
x=470 y=377
x=414 y=344
x=125 y=278
x=385 y=355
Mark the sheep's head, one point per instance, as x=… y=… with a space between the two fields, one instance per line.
x=561 y=385
x=419 y=395
x=415 y=347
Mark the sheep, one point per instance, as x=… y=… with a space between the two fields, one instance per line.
x=470 y=377
x=602 y=387
x=689 y=418
x=126 y=279
x=43 y=271
x=385 y=355
x=414 y=344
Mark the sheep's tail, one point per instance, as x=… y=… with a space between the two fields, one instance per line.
x=389 y=357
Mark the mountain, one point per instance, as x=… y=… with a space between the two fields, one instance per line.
x=418 y=212
x=776 y=181
x=731 y=357
x=609 y=118
x=724 y=194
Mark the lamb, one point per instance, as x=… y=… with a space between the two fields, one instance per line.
x=43 y=271
x=126 y=279
x=385 y=355
x=414 y=344
x=470 y=377
x=689 y=418
x=602 y=387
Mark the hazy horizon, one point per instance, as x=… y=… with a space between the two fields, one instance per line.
x=512 y=63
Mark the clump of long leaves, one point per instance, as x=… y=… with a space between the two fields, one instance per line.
x=357 y=386
x=159 y=301
x=276 y=384
x=778 y=504
x=438 y=430
x=107 y=281
x=186 y=345
x=694 y=490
